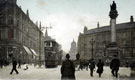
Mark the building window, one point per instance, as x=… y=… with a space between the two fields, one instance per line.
x=1 y=20
x=10 y=33
x=17 y=23
x=47 y=44
x=10 y=20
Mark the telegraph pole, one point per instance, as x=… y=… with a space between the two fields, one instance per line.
x=40 y=45
x=50 y=27
x=41 y=29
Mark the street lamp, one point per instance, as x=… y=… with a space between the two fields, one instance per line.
x=104 y=48
x=92 y=45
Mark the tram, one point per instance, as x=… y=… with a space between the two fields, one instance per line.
x=51 y=53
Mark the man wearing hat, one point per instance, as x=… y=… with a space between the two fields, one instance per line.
x=114 y=65
x=67 y=69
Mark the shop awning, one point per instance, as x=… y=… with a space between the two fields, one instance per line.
x=27 y=50
x=34 y=52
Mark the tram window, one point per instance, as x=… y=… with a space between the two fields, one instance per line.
x=48 y=44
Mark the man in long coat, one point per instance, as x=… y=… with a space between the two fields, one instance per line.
x=68 y=69
x=100 y=69
x=92 y=67
x=115 y=64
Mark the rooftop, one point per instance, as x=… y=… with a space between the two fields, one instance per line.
x=126 y=25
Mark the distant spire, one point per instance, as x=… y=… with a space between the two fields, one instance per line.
x=27 y=12
x=131 y=18
x=73 y=40
x=46 y=33
x=98 y=25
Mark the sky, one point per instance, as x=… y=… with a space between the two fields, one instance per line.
x=68 y=17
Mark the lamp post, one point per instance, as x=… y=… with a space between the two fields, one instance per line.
x=104 y=48
x=92 y=45
x=14 y=51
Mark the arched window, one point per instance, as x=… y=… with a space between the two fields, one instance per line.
x=10 y=33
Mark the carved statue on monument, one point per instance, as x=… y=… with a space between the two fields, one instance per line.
x=113 y=12
x=113 y=6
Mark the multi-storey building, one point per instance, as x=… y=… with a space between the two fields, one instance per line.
x=20 y=37
x=95 y=41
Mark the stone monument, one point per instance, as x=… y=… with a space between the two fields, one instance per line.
x=112 y=48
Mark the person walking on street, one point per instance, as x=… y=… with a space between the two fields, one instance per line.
x=81 y=65
x=114 y=65
x=1 y=63
x=100 y=69
x=127 y=64
x=14 y=64
x=67 y=69
x=19 y=64
x=92 y=66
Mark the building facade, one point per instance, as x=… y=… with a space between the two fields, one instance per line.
x=20 y=37
x=95 y=41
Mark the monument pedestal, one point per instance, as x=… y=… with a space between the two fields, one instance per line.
x=112 y=49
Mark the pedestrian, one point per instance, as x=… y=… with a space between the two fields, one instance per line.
x=26 y=67
x=108 y=62
x=114 y=65
x=81 y=65
x=86 y=65
x=14 y=64
x=1 y=63
x=67 y=69
x=127 y=64
x=100 y=69
x=132 y=66
x=19 y=64
x=92 y=67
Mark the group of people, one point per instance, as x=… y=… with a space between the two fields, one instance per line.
x=68 y=68
x=3 y=63
x=100 y=65
x=14 y=66
x=114 y=66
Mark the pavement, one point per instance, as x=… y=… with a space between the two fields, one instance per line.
x=36 y=73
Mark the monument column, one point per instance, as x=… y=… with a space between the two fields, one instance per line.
x=113 y=15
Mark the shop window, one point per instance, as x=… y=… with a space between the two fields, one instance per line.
x=10 y=33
